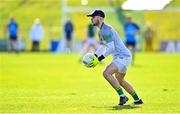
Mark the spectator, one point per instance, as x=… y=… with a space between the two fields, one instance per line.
x=131 y=29
x=36 y=34
x=68 y=28
x=148 y=36
x=13 y=35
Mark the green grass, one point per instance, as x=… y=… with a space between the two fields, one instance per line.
x=43 y=82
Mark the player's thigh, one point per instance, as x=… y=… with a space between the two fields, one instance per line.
x=111 y=69
x=122 y=64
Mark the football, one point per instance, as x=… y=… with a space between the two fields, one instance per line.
x=87 y=59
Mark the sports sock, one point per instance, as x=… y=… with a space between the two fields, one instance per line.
x=135 y=96
x=120 y=91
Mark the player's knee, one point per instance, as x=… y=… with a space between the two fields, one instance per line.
x=121 y=80
x=105 y=74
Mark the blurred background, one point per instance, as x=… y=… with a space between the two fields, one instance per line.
x=54 y=13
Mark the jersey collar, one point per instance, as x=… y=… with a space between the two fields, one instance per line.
x=102 y=25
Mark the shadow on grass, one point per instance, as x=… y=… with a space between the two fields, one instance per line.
x=118 y=107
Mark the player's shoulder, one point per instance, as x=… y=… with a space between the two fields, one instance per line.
x=106 y=27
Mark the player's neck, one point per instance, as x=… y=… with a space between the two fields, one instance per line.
x=100 y=25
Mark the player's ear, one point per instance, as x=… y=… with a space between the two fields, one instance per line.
x=100 y=18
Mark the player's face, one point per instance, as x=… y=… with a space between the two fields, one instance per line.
x=95 y=20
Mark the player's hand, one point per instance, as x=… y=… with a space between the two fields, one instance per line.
x=94 y=62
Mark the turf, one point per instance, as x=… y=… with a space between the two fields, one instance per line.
x=54 y=83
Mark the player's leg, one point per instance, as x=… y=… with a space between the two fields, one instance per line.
x=10 y=45
x=146 y=45
x=34 y=46
x=37 y=48
x=128 y=87
x=68 y=45
x=16 y=45
x=108 y=75
x=84 y=50
x=134 y=52
x=132 y=48
x=150 y=45
x=124 y=83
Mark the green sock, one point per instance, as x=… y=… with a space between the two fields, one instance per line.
x=135 y=96
x=120 y=91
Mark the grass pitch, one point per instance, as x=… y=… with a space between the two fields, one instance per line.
x=43 y=82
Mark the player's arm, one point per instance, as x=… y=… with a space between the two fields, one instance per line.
x=107 y=49
x=137 y=28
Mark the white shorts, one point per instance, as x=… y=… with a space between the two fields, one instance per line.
x=122 y=63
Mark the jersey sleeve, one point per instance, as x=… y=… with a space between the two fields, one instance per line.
x=105 y=50
x=109 y=48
